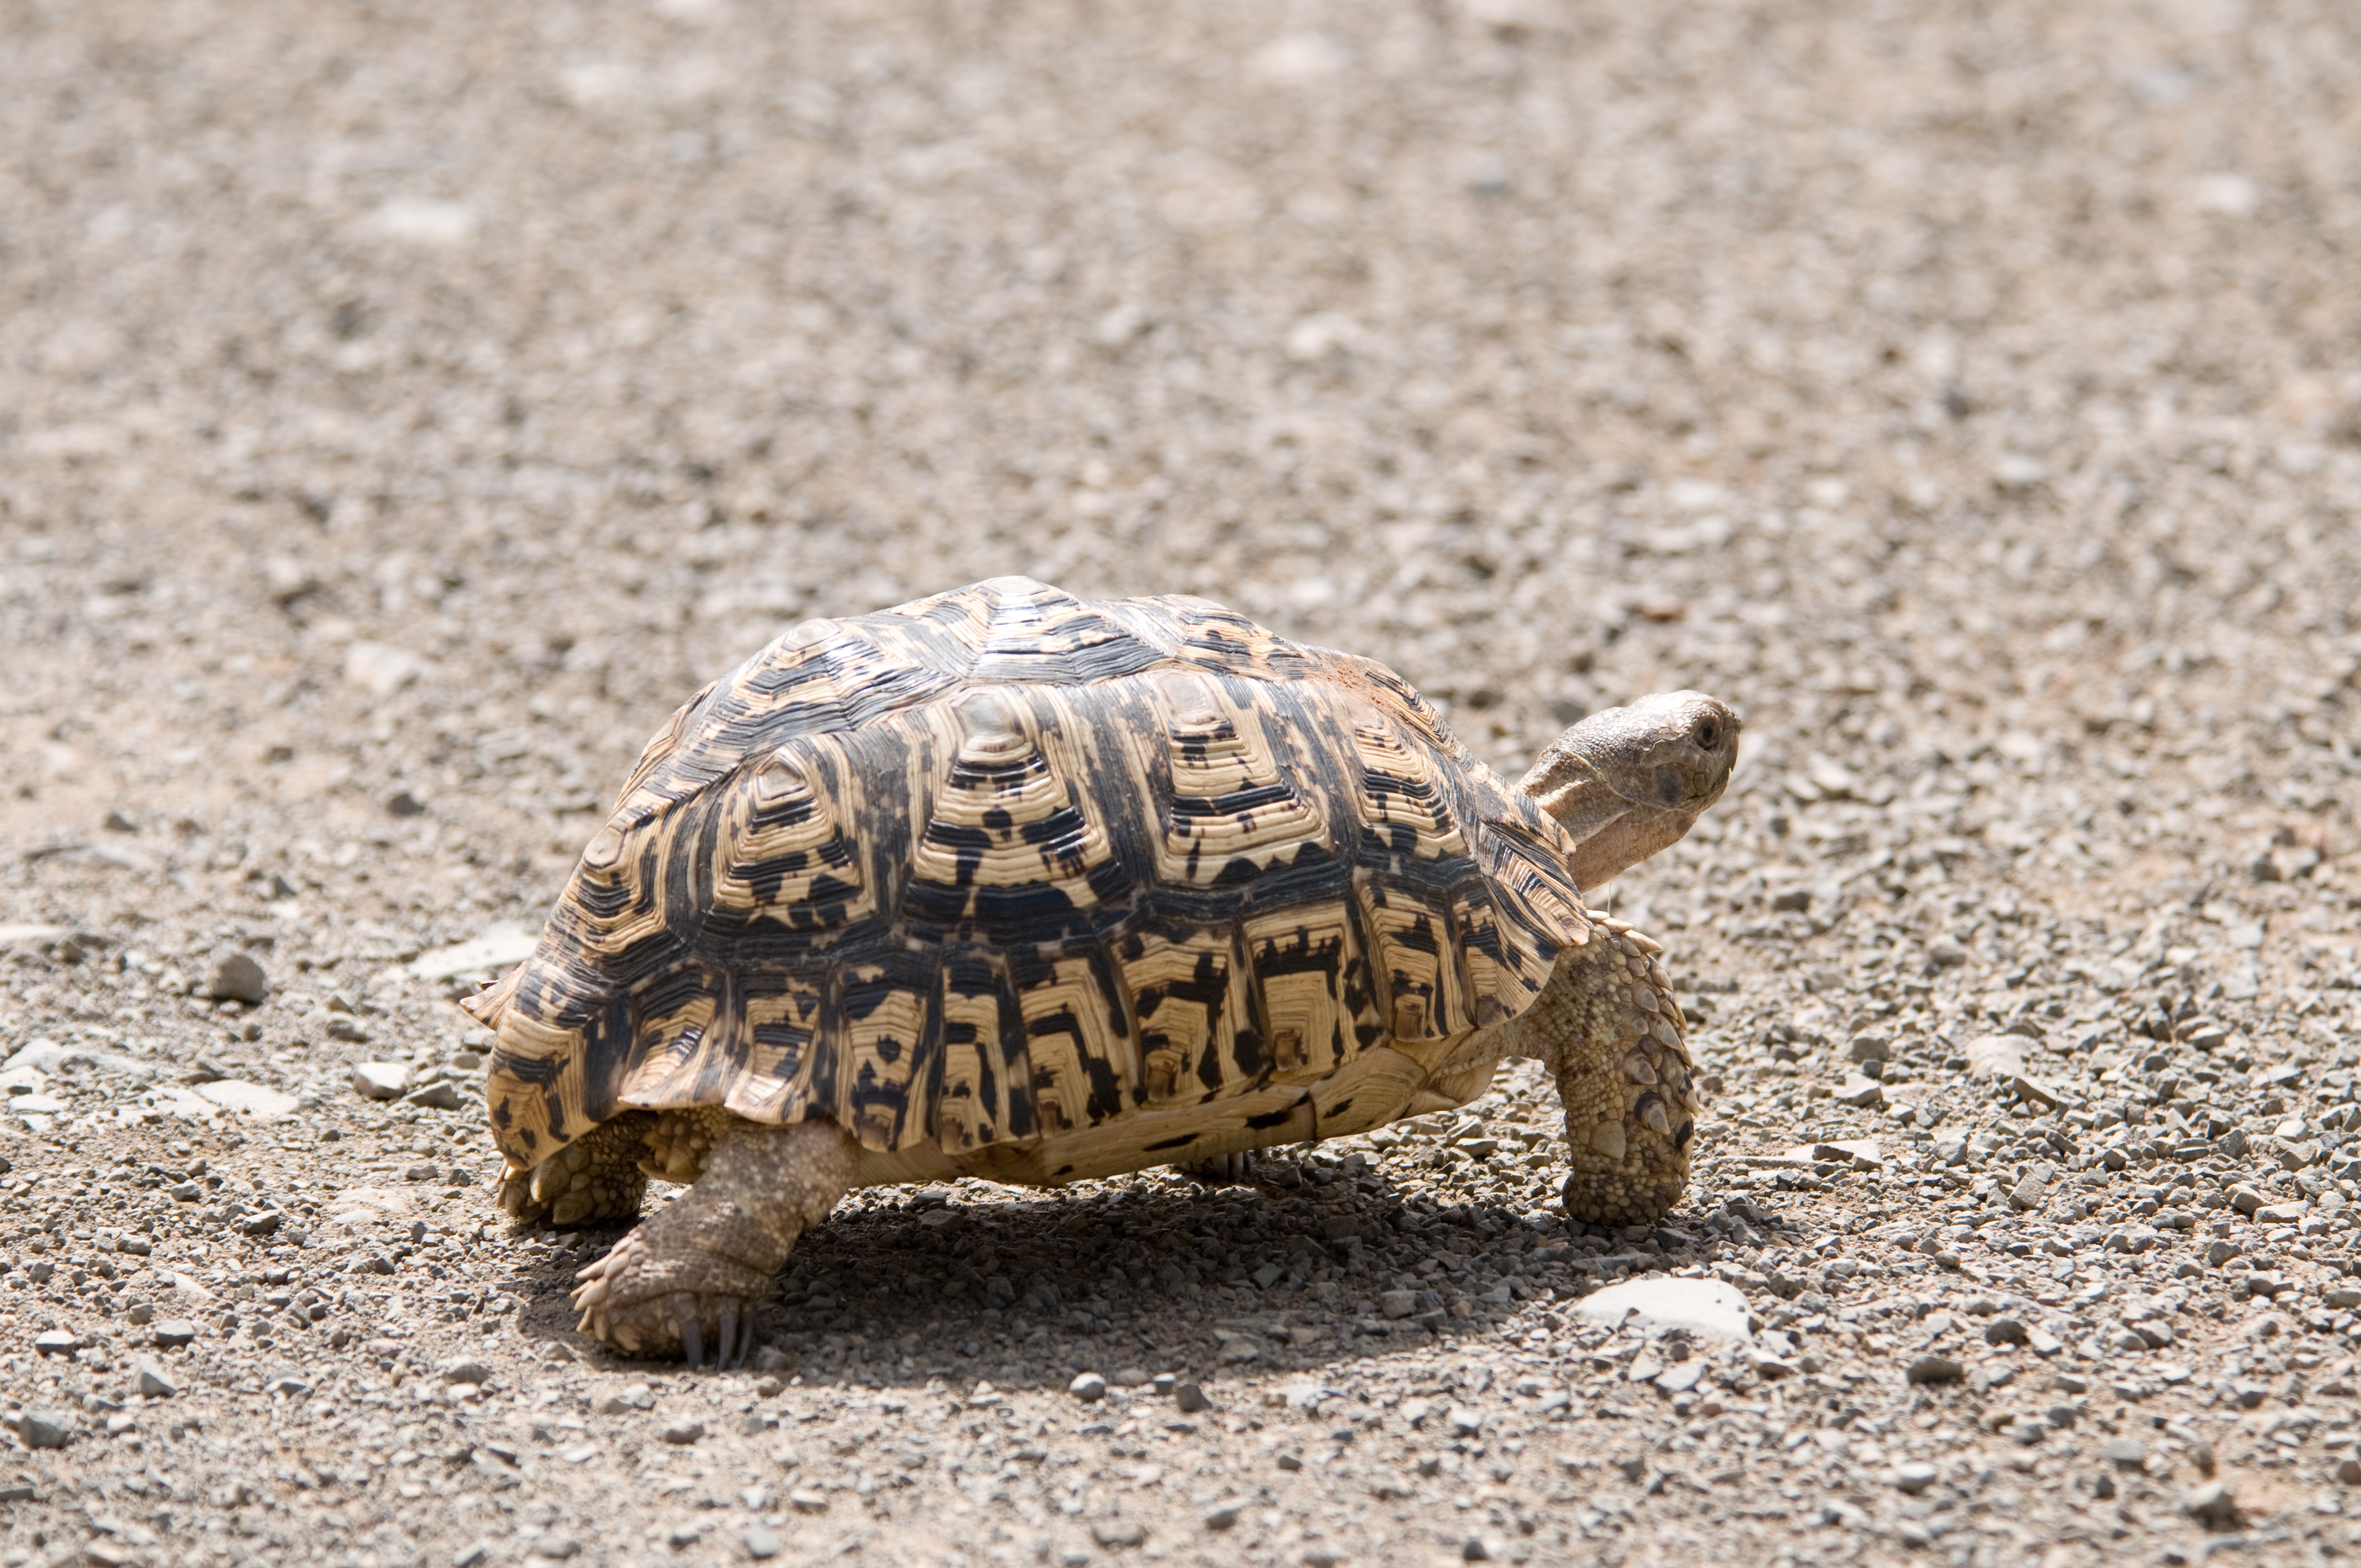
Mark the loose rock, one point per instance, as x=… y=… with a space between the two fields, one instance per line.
x=237 y=977
x=1913 y=1477
x=44 y=1429
x=2213 y=1505
x=381 y=1080
x=1709 y=1307
x=248 y=1099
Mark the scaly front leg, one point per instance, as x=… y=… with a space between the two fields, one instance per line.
x=1609 y=1031
x=688 y=1277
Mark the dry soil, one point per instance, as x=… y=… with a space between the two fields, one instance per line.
x=405 y=406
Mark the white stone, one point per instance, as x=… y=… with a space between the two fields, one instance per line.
x=1997 y=1055
x=2229 y=196
x=1296 y=60
x=418 y=221
x=2039 y=1093
x=248 y=1099
x=36 y=1104
x=40 y=1056
x=498 y=947
x=1913 y=1477
x=379 y=669
x=1706 y=1306
x=381 y=1080
x=47 y=1056
x=2015 y=471
x=357 y=1206
x=10 y=934
x=173 y=1100
x=1861 y=1092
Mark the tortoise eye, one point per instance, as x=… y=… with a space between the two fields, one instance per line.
x=1709 y=731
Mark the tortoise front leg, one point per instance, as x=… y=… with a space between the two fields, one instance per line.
x=1609 y=1031
x=687 y=1278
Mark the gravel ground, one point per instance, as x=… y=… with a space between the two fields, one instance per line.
x=405 y=406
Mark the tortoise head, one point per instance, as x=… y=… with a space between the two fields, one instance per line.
x=1628 y=782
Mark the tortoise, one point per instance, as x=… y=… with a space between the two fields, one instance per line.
x=1007 y=883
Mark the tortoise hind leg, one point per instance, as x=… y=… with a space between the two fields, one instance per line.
x=595 y=1179
x=686 y=1281
x=1609 y=1032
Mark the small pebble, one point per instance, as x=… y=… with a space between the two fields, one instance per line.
x=440 y=1095
x=1913 y=1477
x=1118 y=1534
x=1088 y=1386
x=2213 y=1505
x=237 y=977
x=683 y=1434
x=44 y=1429
x=381 y=1080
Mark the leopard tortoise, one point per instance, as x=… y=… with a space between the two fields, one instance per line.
x=1007 y=883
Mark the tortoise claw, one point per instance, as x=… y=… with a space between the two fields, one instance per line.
x=725 y=1348
x=692 y=1337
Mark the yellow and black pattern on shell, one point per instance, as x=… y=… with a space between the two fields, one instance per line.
x=1001 y=865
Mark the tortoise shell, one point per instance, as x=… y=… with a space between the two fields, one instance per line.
x=1001 y=864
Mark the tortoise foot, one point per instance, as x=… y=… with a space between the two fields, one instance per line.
x=595 y=1181
x=684 y=1283
x=1220 y=1169
x=641 y=1304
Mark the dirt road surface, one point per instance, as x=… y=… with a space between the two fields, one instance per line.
x=403 y=407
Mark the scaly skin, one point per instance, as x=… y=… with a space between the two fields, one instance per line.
x=594 y=1180
x=684 y=1283
x=1609 y=1032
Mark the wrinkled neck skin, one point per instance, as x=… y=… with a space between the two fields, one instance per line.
x=1629 y=780
x=1612 y=832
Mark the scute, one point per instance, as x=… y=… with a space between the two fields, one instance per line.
x=1001 y=864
